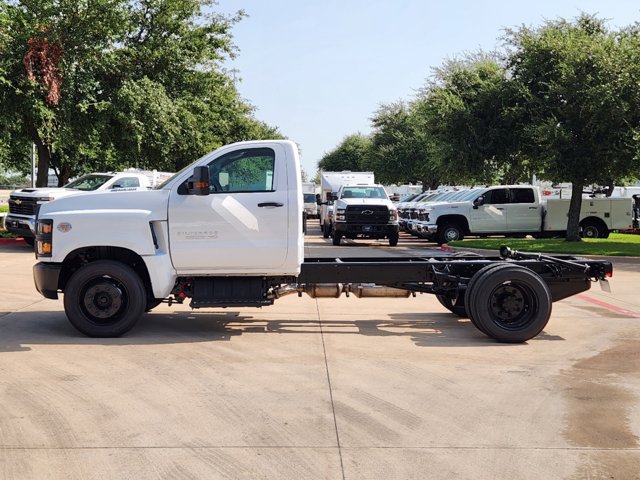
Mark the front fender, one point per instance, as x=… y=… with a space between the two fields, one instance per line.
x=129 y=229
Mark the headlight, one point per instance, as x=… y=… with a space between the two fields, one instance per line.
x=44 y=237
x=340 y=215
x=393 y=215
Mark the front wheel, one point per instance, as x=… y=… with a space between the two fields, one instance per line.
x=104 y=299
x=393 y=239
x=336 y=238
x=326 y=230
x=450 y=232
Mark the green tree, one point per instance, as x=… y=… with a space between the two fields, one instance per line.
x=351 y=154
x=104 y=84
x=582 y=93
x=400 y=150
x=469 y=112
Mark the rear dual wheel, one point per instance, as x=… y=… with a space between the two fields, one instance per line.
x=509 y=303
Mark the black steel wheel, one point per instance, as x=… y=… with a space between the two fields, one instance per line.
x=450 y=232
x=469 y=300
x=511 y=304
x=104 y=299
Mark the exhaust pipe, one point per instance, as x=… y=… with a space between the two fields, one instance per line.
x=364 y=290
x=334 y=290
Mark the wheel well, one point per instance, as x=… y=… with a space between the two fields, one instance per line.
x=594 y=220
x=459 y=219
x=83 y=256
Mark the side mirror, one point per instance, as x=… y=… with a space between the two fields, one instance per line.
x=198 y=184
x=478 y=202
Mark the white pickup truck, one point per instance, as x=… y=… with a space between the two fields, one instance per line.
x=517 y=210
x=227 y=232
x=24 y=203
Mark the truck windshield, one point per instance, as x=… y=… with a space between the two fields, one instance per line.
x=87 y=183
x=309 y=198
x=364 y=192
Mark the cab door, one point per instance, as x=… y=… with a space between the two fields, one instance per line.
x=491 y=216
x=241 y=226
x=524 y=213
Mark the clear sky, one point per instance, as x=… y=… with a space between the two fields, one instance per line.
x=319 y=69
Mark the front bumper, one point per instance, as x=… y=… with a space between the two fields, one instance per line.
x=365 y=230
x=46 y=277
x=23 y=226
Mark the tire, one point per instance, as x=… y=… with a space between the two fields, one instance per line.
x=512 y=304
x=593 y=229
x=335 y=238
x=326 y=230
x=469 y=299
x=393 y=239
x=455 y=306
x=31 y=241
x=450 y=232
x=104 y=299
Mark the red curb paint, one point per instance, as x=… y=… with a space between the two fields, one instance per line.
x=623 y=311
x=11 y=241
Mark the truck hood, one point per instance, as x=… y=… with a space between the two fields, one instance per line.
x=53 y=192
x=364 y=201
x=152 y=201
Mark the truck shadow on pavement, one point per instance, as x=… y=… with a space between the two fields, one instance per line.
x=21 y=329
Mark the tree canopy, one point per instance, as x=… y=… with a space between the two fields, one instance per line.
x=105 y=84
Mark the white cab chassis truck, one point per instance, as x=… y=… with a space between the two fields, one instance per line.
x=330 y=183
x=227 y=232
x=364 y=211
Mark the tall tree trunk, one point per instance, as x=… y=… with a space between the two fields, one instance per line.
x=44 y=155
x=575 y=204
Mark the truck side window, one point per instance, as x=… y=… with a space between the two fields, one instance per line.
x=496 y=197
x=522 y=195
x=249 y=170
x=127 y=182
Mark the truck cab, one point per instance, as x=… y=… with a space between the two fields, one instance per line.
x=364 y=211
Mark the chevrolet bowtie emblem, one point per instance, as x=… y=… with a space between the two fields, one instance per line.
x=367 y=212
x=18 y=202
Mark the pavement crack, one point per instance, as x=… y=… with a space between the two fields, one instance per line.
x=333 y=406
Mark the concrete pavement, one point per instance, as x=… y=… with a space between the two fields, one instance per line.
x=319 y=389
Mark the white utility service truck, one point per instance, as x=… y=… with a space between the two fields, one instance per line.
x=516 y=210
x=227 y=232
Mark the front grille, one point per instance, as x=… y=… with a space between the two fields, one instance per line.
x=367 y=214
x=413 y=215
x=424 y=217
x=22 y=205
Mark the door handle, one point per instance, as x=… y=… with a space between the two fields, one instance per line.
x=533 y=208
x=271 y=204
